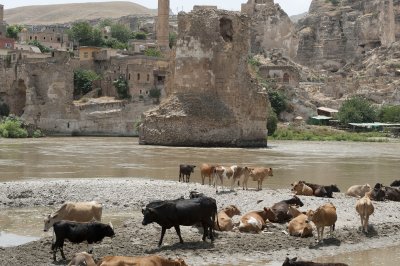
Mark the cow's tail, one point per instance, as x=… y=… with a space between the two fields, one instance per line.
x=215 y=216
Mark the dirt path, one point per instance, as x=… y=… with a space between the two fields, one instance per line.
x=132 y=238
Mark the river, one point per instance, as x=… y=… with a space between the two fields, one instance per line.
x=341 y=163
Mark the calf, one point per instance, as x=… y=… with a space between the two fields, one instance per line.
x=299 y=188
x=82 y=259
x=392 y=193
x=378 y=193
x=153 y=260
x=364 y=208
x=207 y=170
x=224 y=218
x=299 y=226
x=322 y=191
x=184 y=171
x=281 y=209
x=75 y=211
x=255 y=221
x=325 y=215
x=92 y=232
x=294 y=261
x=258 y=174
x=173 y=213
x=395 y=183
x=358 y=190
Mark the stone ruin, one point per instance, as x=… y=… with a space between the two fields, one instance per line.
x=212 y=99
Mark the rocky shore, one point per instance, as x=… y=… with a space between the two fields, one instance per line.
x=230 y=248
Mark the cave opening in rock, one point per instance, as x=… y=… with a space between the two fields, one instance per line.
x=226 y=29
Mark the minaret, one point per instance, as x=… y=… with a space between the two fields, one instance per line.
x=163 y=25
x=2 y=24
x=1 y=13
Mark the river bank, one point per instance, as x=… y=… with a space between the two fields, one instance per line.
x=131 y=194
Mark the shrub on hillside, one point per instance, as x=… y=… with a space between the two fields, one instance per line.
x=272 y=122
x=278 y=101
x=83 y=80
x=357 y=110
x=12 y=127
x=389 y=114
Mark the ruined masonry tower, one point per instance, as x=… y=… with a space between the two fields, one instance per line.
x=2 y=24
x=1 y=13
x=163 y=25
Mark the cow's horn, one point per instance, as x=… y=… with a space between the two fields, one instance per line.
x=112 y=227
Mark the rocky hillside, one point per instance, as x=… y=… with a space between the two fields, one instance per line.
x=64 y=13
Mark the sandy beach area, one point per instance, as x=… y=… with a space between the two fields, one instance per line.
x=230 y=248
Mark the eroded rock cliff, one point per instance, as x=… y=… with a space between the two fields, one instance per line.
x=212 y=100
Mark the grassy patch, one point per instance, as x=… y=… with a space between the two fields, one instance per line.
x=322 y=133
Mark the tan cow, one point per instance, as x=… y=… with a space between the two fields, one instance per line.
x=299 y=188
x=258 y=174
x=153 y=260
x=324 y=215
x=225 y=218
x=233 y=172
x=75 y=211
x=299 y=226
x=255 y=221
x=82 y=259
x=358 y=190
x=365 y=208
x=206 y=170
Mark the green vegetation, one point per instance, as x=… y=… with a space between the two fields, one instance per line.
x=122 y=88
x=114 y=43
x=13 y=30
x=357 y=110
x=172 y=39
x=83 y=81
x=153 y=52
x=85 y=34
x=155 y=93
x=121 y=33
x=278 y=101
x=12 y=127
x=324 y=133
x=42 y=48
x=333 y=2
x=254 y=61
x=272 y=122
x=139 y=35
x=389 y=114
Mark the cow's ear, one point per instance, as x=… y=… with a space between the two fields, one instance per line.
x=112 y=227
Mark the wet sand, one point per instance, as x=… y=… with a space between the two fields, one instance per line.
x=132 y=238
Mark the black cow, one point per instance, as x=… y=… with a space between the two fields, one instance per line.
x=294 y=261
x=322 y=191
x=281 y=209
x=173 y=213
x=395 y=183
x=392 y=193
x=184 y=171
x=378 y=193
x=75 y=232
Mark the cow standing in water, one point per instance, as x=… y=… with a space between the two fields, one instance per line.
x=184 y=171
x=173 y=213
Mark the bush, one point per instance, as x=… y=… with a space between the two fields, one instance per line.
x=37 y=134
x=254 y=61
x=278 y=101
x=122 y=88
x=389 y=114
x=41 y=47
x=272 y=122
x=83 y=80
x=152 y=52
x=357 y=110
x=155 y=93
x=172 y=39
x=12 y=127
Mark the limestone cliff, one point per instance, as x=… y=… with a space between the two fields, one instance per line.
x=212 y=100
x=332 y=35
x=271 y=28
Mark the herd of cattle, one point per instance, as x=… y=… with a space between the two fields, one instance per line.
x=81 y=221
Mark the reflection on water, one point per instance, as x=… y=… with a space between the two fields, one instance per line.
x=343 y=163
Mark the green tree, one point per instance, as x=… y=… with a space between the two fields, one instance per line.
x=357 y=110
x=122 y=88
x=82 y=32
x=105 y=23
x=272 y=122
x=121 y=33
x=152 y=52
x=83 y=81
x=13 y=30
x=389 y=114
x=278 y=101
x=139 y=35
x=97 y=38
x=114 y=43
x=172 y=39
x=43 y=49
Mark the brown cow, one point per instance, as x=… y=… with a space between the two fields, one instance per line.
x=325 y=215
x=299 y=188
x=258 y=174
x=358 y=190
x=153 y=260
x=82 y=259
x=364 y=208
x=75 y=211
x=207 y=170
x=225 y=218
x=255 y=221
x=299 y=226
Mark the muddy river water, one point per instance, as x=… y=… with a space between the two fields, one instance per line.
x=341 y=163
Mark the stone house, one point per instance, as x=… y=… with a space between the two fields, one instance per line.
x=88 y=53
x=53 y=37
x=7 y=43
x=282 y=75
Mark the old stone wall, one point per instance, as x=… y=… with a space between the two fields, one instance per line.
x=332 y=35
x=271 y=28
x=212 y=100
